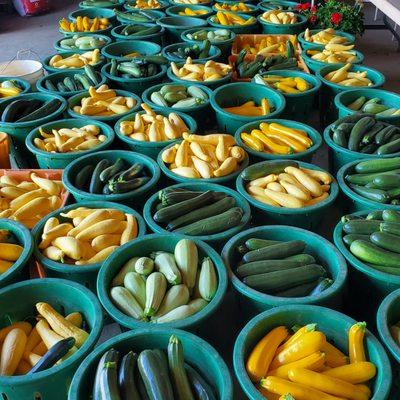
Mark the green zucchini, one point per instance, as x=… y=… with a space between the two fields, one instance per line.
x=70 y=84
x=361 y=226
x=83 y=80
x=302 y=258
x=91 y=74
x=358 y=131
x=339 y=137
x=201 y=389
x=390 y=227
x=378 y=165
x=386 y=241
x=264 y=266
x=371 y=194
x=170 y=196
x=275 y=251
x=387 y=270
x=109 y=378
x=83 y=177
x=43 y=111
x=264 y=168
x=368 y=149
x=61 y=87
x=376 y=214
x=110 y=356
x=142 y=388
x=323 y=285
x=392 y=146
x=351 y=237
x=363 y=179
x=387 y=181
x=352 y=118
x=394 y=193
x=391 y=216
x=112 y=170
x=302 y=290
x=126 y=377
x=50 y=85
x=370 y=253
x=385 y=134
x=357 y=103
x=95 y=185
x=370 y=135
x=254 y=244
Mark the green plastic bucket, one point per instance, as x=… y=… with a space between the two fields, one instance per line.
x=59 y=77
x=153 y=14
x=251 y=302
x=197 y=352
x=232 y=1
x=65 y=54
x=307 y=217
x=18 y=302
x=389 y=99
x=60 y=49
x=228 y=180
x=352 y=201
x=238 y=29
x=285 y=29
x=19 y=130
x=174 y=11
x=389 y=314
x=211 y=84
x=201 y=113
x=339 y=156
x=214 y=53
x=329 y=90
x=237 y=93
x=216 y=240
x=262 y=156
x=152 y=149
x=275 y=4
x=93 y=12
x=134 y=85
x=17 y=271
x=299 y=106
x=22 y=83
x=224 y=45
x=142 y=247
x=315 y=65
x=52 y=160
x=253 y=9
x=305 y=45
x=118 y=5
x=130 y=5
x=132 y=198
x=118 y=50
x=111 y=119
x=157 y=37
x=207 y=3
x=83 y=274
x=174 y=26
x=333 y=324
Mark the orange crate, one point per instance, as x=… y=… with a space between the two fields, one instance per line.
x=4 y=150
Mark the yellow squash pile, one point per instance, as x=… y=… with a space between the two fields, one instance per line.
x=29 y=201
x=76 y=60
x=228 y=18
x=192 y=1
x=267 y=45
x=103 y=102
x=334 y=53
x=67 y=140
x=23 y=345
x=324 y=37
x=287 y=84
x=250 y=109
x=280 y=17
x=208 y=156
x=192 y=13
x=152 y=127
x=210 y=71
x=276 y=138
x=8 y=89
x=84 y=24
x=146 y=4
x=343 y=76
x=9 y=252
x=295 y=188
x=306 y=366
x=235 y=7
x=89 y=236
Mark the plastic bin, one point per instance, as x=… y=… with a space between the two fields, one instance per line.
x=248 y=28
x=154 y=14
x=174 y=11
x=83 y=274
x=274 y=4
x=316 y=46
x=214 y=53
x=30 y=70
x=93 y=12
x=60 y=49
x=22 y=83
x=130 y=5
x=174 y=26
x=197 y=352
x=157 y=37
x=334 y=324
x=119 y=5
x=118 y=50
x=134 y=197
x=47 y=159
x=18 y=302
x=253 y=9
x=292 y=29
x=239 y=93
x=66 y=54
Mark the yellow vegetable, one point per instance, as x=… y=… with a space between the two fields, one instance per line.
x=333 y=356
x=188 y=172
x=307 y=181
x=284 y=199
x=131 y=230
x=10 y=252
x=182 y=154
x=227 y=167
x=270 y=144
x=300 y=332
x=356 y=342
x=36 y=206
x=251 y=141
x=69 y=245
x=12 y=351
x=106 y=226
x=358 y=372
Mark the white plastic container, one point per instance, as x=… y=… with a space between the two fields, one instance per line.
x=29 y=70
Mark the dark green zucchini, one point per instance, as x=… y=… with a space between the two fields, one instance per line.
x=378 y=165
x=361 y=226
x=83 y=177
x=302 y=258
x=298 y=291
x=358 y=131
x=386 y=241
x=370 y=253
x=43 y=111
x=113 y=169
x=350 y=238
x=201 y=389
x=371 y=194
x=275 y=251
x=96 y=186
x=387 y=181
x=170 y=196
x=391 y=216
x=254 y=244
x=376 y=214
x=264 y=168
x=126 y=377
x=323 y=285
x=264 y=266
x=390 y=227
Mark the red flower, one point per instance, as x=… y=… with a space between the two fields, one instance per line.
x=299 y=7
x=306 y=6
x=336 y=18
x=312 y=19
x=313 y=10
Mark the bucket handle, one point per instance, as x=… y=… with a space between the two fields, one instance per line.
x=21 y=52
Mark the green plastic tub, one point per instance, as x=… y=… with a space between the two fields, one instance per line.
x=59 y=77
x=389 y=99
x=152 y=149
x=130 y=5
x=118 y=50
x=52 y=160
x=329 y=90
x=214 y=53
x=307 y=217
x=197 y=352
x=65 y=54
x=60 y=49
x=316 y=46
x=285 y=29
x=211 y=84
x=18 y=302
x=111 y=119
x=228 y=180
x=352 y=201
x=315 y=65
x=262 y=156
x=132 y=198
x=299 y=106
x=216 y=240
x=253 y=8
x=19 y=130
x=93 y=12
x=238 y=29
x=173 y=11
x=201 y=113
x=224 y=45
x=17 y=271
x=142 y=247
x=364 y=280
x=134 y=85
x=251 y=302
x=83 y=274
x=333 y=324
x=157 y=37
x=22 y=83
x=275 y=4
x=207 y=3
x=389 y=314
x=174 y=26
x=119 y=4
x=236 y=94
x=153 y=14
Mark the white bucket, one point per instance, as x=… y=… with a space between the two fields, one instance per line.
x=29 y=70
